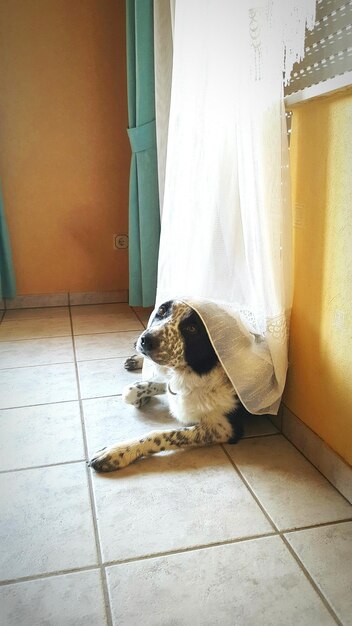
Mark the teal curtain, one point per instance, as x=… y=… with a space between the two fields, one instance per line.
x=144 y=215
x=7 y=275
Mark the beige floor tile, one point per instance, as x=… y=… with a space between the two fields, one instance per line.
x=34 y=328
x=40 y=435
x=104 y=377
x=36 y=352
x=243 y=584
x=109 y=420
x=105 y=345
x=53 y=312
x=292 y=491
x=68 y=600
x=46 y=523
x=25 y=386
x=326 y=552
x=174 y=501
x=103 y=318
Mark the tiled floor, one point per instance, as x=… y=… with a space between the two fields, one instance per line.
x=241 y=535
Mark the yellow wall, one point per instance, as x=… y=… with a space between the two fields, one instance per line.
x=319 y=387
x=64 y=157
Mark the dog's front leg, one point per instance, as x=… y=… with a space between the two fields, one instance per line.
x=134 y=362
x=119 y=456
x=140 y=392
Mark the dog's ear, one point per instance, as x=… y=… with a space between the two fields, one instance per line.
x=199 y=352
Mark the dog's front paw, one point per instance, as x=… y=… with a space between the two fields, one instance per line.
x=109 y=459
x=134 y=362
x=136 y=395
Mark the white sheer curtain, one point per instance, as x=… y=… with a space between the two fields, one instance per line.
x=225 y=198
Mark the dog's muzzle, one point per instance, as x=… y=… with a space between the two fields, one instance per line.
x=147 y=343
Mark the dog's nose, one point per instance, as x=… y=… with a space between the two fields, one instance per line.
x=148 y=342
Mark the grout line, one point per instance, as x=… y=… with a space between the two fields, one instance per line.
x=107 y=358
x=144 y=324
x=196 y=548
x=40 y=306
x=136 y=559
x=37 y=308
x=320 y=525
x=90 y=489
x=311 y=580
x=21 y=367
x=23 y=339
x=31 y=467
x=25 y=579
x=256 y=436
x=116 y=395
x=28 y=406
x=246 y=483
x=60 y=306
x=71 y=361
x=108 y=332
x=283 y=538
x=95 y=303
x=83 y=460
x=91 y=334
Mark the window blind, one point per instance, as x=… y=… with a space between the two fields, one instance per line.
x=327 y=64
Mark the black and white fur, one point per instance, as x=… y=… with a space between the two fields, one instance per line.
x=199 y=392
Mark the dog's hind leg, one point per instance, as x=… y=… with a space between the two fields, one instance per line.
x=121 y=455
x=140 y=392
x=134 y=362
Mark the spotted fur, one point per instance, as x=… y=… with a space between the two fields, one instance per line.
x=140 y=392
x=200 y=395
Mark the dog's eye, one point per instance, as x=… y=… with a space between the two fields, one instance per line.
x=191 y=328
x=161 y=311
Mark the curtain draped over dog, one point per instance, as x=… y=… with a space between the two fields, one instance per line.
x=7 y=276
x=144 y=220
x=226 y=219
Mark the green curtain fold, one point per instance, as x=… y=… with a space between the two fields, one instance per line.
x=144 y=215
x=7 y=275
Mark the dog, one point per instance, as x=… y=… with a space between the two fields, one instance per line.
x=200 y=395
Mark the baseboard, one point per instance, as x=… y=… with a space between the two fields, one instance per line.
x=328 y=462
x=65 y=299
x=277 y=419
x=98 y=297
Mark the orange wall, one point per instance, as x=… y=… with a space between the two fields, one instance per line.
x=64 y=158
x=319 y=385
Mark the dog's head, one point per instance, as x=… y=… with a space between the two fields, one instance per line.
x=177 y=338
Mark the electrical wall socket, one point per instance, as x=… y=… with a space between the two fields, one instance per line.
x=120 y=242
